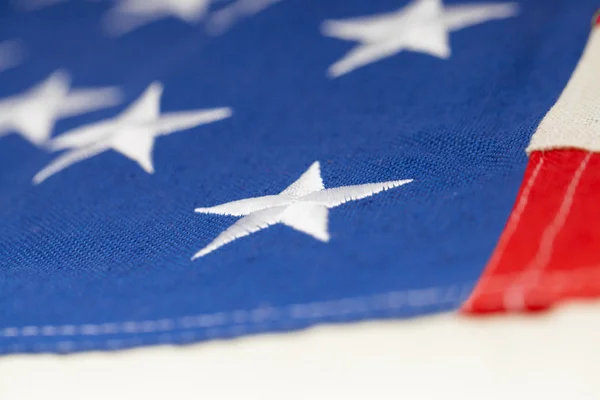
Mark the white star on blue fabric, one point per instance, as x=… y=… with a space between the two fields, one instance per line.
x=304 y=206
x=132 y=133
x=422 y=26
x=33 y=113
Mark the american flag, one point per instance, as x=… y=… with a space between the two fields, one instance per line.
x=176 y=171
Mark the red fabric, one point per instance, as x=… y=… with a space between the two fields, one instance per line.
x=550 y=248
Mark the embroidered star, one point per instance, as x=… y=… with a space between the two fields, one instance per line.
x=11 y=54
x=422 y=26
x=128 y=15
x=32 y=114
x=132 y=133
x=304 y=206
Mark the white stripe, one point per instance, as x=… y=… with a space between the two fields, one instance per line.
x=543 y=356
x=574 y=121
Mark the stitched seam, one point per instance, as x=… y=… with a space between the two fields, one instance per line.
x=260 y=315
x=515 y=294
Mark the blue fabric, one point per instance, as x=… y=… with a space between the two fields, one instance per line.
x=98 y=256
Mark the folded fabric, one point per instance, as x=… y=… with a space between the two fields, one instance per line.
x=178 y=171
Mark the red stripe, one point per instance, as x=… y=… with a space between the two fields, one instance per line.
x=597 y=18
x=550 y=249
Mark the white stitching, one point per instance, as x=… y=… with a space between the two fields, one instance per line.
x=514 y=297
x=382 y=302
x=358 y=305
x=546 y=243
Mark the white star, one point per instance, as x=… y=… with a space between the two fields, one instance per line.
x=132 y=133
x=304 y=206
x=422 y=26
x=33 y=113
x=11 y=54
x=128 y=15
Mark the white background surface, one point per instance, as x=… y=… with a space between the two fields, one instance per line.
x=546 y=356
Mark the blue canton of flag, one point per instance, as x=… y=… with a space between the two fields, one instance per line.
x=172 y=171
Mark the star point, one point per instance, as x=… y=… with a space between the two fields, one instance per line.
x=422 y=26
x=304 y=206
